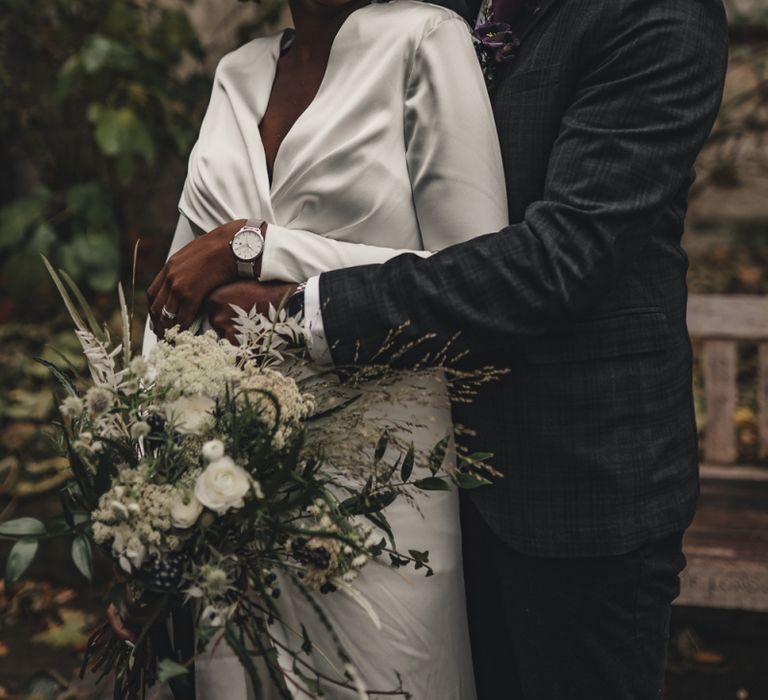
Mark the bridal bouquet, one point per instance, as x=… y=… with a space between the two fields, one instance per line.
x=202 y=471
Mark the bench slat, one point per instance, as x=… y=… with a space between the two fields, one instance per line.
x=732 y=317
x=719 y=368
x=762 y=399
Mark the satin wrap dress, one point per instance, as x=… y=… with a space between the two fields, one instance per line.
x=397 y=154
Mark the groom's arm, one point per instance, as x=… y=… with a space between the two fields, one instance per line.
x=647 y=98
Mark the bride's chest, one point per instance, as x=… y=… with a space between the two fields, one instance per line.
x=293 y=91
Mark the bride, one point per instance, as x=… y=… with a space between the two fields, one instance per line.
x=363 y=134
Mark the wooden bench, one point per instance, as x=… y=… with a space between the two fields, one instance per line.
x=727 y=545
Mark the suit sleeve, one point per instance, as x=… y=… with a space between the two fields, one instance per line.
x=451 y=147
x=649 y=90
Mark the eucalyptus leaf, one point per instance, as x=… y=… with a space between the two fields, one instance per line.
x=437 y=456
x=82 y=556
x=20 y=558
x=22 y=527
x=408 y=462
x=167 y=669
x=306 y=642
x=468 y=481
x=381 y=447
x=432 y=483
x=480 y=456
x=380 y=521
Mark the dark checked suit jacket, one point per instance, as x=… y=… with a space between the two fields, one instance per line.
x=600 y=117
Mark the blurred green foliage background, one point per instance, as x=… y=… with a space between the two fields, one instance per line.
x=100 y=104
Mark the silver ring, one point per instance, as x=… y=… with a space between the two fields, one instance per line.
x=167 y=314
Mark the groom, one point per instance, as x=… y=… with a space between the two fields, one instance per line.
x=572 y=559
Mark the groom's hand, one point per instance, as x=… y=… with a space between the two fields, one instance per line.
x=190 y=275
x=245 y=294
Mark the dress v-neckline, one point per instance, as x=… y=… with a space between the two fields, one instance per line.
x=275 y=54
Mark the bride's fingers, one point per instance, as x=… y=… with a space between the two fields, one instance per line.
x=185 y=314
x=164 y=300
x=157 y=284
x=118 y=626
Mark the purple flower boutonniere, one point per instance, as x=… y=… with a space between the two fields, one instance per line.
x=495 y=43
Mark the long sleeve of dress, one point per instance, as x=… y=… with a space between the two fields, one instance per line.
x=453 y=161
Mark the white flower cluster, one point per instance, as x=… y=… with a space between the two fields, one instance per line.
x=134 y=515
x=185 y=364
x=340 y=561
x=267 y=386
x=72 y=407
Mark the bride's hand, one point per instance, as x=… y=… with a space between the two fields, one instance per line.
x=189 y=276
x=244 y=293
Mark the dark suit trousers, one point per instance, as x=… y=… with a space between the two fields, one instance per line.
x=567 y=629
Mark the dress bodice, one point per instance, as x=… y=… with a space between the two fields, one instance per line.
x=354 y=165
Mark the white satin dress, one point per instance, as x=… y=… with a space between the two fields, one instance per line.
x=396 y=154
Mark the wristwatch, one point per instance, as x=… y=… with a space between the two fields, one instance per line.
x=247 y=246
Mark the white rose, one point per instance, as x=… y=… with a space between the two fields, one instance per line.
x=185 y=510
x=222 y=485
x=191 y=414
x=213 y=450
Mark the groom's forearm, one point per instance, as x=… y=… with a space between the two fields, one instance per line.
x=619 y=169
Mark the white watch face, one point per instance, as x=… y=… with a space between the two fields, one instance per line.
x=247 y=245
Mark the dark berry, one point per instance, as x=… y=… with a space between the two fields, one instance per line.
x=165 y=574
x=318 y=557
x=156 y=423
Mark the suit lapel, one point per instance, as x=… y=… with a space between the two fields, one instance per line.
x=530 y=21
x=533 y=19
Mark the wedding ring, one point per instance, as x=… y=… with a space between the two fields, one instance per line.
x=167 y=315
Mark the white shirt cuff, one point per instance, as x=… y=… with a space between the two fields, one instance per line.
x=313 y=323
